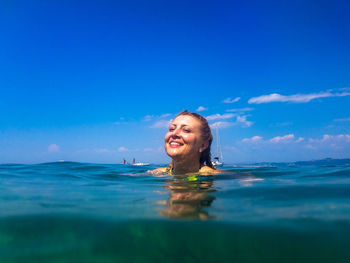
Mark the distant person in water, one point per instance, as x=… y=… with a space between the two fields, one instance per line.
x=187 y=143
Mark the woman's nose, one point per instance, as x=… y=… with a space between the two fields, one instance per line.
x=176 y=133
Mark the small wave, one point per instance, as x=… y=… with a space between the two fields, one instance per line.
x=89 y=168
x=332 y=172
x=289 y=193
x=251 y=167
x=274 y=173
x=61 y=163
x=105 y=175
x=7 y=165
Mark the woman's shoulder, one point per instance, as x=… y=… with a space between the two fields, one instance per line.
x=158 y=171
x=206 y=170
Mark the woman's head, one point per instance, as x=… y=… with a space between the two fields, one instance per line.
x=189 y=137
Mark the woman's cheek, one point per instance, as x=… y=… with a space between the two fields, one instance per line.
x=188 y=138
x=166 y=136
x=185 y=137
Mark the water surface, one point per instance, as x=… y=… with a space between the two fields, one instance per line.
x=79 y=212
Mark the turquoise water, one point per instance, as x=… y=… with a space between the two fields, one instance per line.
x=79 y=212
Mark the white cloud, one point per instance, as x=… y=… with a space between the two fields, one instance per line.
x=152 y=117
x=285 y=138
x=253 y=139
x=222 y=124
x=292 y=148
x=300 y=139
x=123 y=149
x=53 y=148
x=289 y=138
x=331 y=144
x=340 y=137
x=161 y=124
x=148 y=117
x=310 y=147
x=240 y=110
x=243 y=120
x=345 y=137
x=220 y=117
x=342 y=120
x=297 y=98
x=229 y=100
x=201 y=108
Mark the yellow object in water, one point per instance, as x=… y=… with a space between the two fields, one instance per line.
x=192 y=178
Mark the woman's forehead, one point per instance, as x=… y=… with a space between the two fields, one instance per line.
x=186 y=120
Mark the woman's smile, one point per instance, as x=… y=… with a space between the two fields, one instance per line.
x=175 y=144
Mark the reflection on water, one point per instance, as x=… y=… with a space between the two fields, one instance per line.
x=189 y=196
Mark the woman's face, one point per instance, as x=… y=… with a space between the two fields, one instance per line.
x=183 y=140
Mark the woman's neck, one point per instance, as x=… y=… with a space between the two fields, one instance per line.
x=185 y=166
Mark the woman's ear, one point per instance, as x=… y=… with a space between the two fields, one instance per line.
x=203 y=146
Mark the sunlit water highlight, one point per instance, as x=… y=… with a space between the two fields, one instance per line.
x=78 y=212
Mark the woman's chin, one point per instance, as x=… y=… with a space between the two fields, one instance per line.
x=173 y=152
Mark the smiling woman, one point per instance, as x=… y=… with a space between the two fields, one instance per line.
x=188 y=142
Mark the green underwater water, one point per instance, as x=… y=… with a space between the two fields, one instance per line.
x=76 y=212
x=69 y=239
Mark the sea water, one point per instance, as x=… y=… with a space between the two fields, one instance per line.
x=80 y=212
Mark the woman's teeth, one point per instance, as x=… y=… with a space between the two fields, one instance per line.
x=175 y=144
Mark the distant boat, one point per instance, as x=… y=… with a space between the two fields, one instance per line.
x=139 y=164
x=218 y=159
x=217 y=162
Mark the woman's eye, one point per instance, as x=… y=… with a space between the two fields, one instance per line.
x=187 y=131
x=171 y=129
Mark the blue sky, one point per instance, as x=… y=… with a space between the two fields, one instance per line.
x=96 y=81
